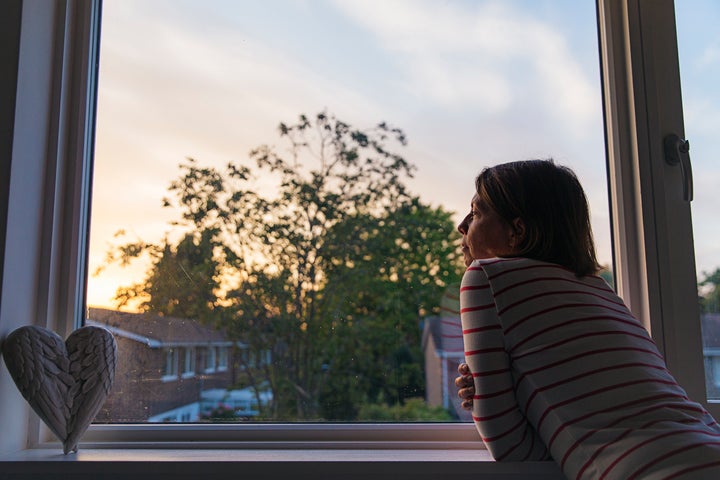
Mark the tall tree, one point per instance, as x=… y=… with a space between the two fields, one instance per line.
x=327 y=272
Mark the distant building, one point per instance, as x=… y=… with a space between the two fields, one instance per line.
x=442 y=346
x=711 y=353
x=170 y=369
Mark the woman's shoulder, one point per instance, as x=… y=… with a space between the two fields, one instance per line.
x=521 y=267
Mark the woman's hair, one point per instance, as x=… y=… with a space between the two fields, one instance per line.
x=551 y=203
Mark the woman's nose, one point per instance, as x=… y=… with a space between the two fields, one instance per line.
x=462 y=227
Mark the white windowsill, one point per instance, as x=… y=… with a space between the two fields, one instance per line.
x=159 y=463
x=272 y=451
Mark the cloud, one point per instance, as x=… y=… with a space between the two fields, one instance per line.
x=487 y=55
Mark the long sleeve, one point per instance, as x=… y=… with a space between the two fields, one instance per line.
x=505 y=430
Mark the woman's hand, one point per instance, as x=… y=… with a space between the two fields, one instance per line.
x=466 y=386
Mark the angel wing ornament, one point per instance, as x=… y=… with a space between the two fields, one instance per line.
x=65 y=383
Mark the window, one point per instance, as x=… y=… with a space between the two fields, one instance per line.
x=651 y=273
x=312 y=303
x=189 y=363
x=171 y=365
x=210 y=359
x=699 y=61
x=222 y=361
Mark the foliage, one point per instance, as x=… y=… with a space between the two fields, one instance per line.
x=221 y=413
x=330 y=269
x=413 y=409
x=710 y=287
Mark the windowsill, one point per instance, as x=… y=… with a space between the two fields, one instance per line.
x=159 y=463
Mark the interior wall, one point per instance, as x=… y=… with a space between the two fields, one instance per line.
x=24 y=152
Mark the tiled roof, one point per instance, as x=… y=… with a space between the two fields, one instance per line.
x=156 y=330
x=446 y=332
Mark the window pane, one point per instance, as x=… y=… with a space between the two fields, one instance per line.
x=277 y=184
x=699 y=55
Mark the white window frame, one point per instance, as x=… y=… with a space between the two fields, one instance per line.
x=653 y=240
x=223 y=355
x=171 y=368
x=188 y=370
x=48 y=208
x=210 y=360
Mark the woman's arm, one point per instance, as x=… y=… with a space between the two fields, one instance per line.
x=503 y=427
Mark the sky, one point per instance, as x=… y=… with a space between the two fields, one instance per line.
x=472 y=84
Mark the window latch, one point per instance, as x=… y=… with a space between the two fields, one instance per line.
x=677 y=152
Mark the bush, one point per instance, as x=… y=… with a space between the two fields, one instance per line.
x=413 y=409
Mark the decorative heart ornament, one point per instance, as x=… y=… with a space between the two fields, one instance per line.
x=66 y=383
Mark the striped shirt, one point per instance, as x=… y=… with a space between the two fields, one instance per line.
x=563 y=370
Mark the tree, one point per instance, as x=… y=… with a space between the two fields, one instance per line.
x=330 y=271
x=710 y=299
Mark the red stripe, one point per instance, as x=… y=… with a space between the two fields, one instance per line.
x=490 y=372
x=475 y=309
x=481 y=329
x=607 y=444
x=560 y=307
x=586 y=354
x=564 y=292
x=503 y=456
x=585 y=335
x=597 y=392
x=557 y=279
x=585 y=375
x=491 y=395
x=495 y=415
x=484 y=350
x=505 y=433
x=632 y=323
x=667 y=455
x=527 y=267
x=621 y=406
x=474 y=287
x=692 y=469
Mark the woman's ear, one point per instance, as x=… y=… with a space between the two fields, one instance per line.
x=518 y=231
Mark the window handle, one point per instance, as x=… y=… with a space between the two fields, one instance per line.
x=677 y=151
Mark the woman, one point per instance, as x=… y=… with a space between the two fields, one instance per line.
x=557 y=367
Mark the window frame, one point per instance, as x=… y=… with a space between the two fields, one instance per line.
x=189 y=362
x=651 y=223
x=171 y=369
x=210 y=359
x=49 y=203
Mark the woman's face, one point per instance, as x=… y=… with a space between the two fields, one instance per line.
x=485 y=233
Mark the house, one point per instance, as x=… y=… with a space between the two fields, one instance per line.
x=442 y=347
x=711 y=353
x=171 y=370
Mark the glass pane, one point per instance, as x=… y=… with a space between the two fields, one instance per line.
x=699 y=55
x=277 y=184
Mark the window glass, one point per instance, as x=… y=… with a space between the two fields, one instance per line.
x=189 y=365
x=281 y=180
x=171 y=362
x=699 y=56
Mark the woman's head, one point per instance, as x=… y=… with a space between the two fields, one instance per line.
x=543 y=211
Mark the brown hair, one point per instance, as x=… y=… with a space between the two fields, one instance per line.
x=550 y=201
